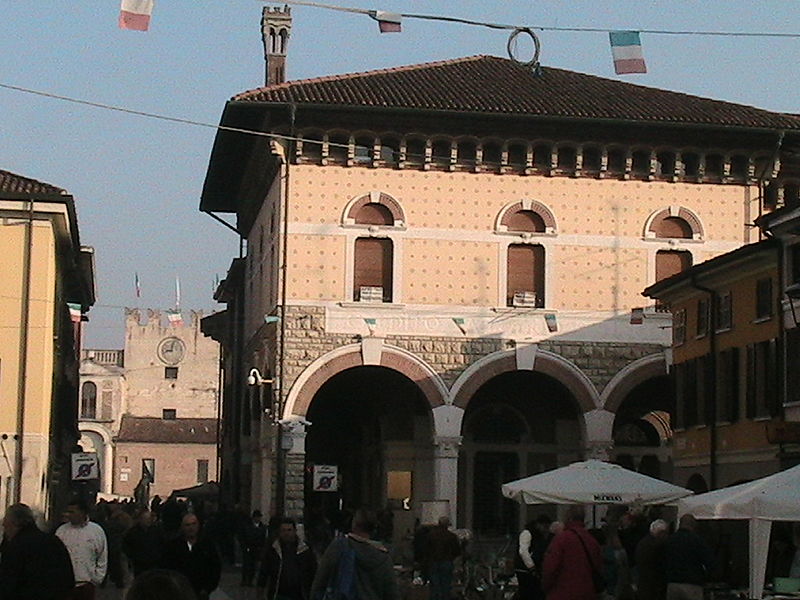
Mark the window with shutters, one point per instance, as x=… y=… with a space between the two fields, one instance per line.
x=89 y=400
x=762 y=399
x=702 y=317
x=724 y=311
x=372 y=279
x=691 y=389
x=728 y=386
x=679 y=327
x=525 y=276
x=764 y=299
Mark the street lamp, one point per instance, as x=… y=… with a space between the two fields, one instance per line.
x=255 y=378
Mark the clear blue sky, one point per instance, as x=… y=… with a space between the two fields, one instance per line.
x=137 y=182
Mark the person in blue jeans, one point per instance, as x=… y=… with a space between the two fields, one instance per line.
x=443 y=549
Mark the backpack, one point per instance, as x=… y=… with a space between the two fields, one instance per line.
x=342 y=585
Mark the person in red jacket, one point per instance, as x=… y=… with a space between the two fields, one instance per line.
x=571 y=557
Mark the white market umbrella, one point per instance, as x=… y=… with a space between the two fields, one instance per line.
x=592 y=482
x=772 y=498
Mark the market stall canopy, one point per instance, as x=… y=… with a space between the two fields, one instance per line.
x=592 y=482
x=774 y=498
x=208 y=490
x=771 y=498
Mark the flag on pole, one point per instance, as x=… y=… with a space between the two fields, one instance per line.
x=177 y=293
x=138 y=285
x=135 y=14
x=626 y=48
x=75 y=312
x=388 y=22
x=174 y=317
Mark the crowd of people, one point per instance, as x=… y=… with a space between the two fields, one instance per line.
x=174 y=550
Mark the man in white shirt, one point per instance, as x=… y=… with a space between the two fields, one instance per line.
x=87 y=547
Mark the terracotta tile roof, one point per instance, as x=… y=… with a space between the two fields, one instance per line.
x=167 y=431
x=488 y=84
x=11 y=182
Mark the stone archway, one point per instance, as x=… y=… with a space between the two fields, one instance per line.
x=629 y=377
x=107 y=456
x=371 y=352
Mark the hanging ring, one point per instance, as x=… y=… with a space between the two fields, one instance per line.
x=537 y=48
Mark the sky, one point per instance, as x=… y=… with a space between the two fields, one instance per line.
x=137 y=182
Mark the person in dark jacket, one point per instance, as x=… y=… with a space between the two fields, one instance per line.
x=35 y=565
x=288 y=565
x=194 y=556
x=374 y=574
x=253 y=538
x=687 y=562
x=143 y=543
x=651 y=584
x=443 y=549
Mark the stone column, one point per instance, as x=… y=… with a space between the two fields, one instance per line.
x=293 y=447
x=445 y=471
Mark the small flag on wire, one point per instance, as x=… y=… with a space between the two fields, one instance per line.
x=174 y=317
x=138 y=285
x=552 y=323
x=637 y=316
x=75 y=312
x=626 y=48
x=371 y=322
x=135 y=14
x=388 y=22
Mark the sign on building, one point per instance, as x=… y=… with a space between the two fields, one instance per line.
x=326 y=478
x=85 y=466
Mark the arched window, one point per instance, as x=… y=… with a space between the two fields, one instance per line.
x=525 y=276
x=466 y=154
x=567 y=159
x=415 y=151
x=640 y=163
x=374 y=213
x=372 y=273
x=338 y=146
x=89 y=400
x=616 y=161
x=284 y=36
x=739 y=167
x=390 y=150
x=675 y=222
x=440 y=153
x=492 y=156
x=542 y=157
x=525 y=220
x=665 y=164
x=715 y=166
x=517 y=157
x=672 y=227
x=312 y=147
x=364 y=146
x=691 y=164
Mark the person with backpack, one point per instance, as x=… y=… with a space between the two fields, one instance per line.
x=356 y=568
x=287 y=566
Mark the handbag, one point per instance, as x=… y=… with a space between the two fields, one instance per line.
x=598 y=579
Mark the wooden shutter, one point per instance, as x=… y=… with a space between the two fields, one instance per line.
x=671 y=262
x=373 y=266
x=525 y=272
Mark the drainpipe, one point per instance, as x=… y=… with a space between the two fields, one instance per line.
x=711 y=386
x=22 y=376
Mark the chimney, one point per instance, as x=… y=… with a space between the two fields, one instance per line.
x=276 y=27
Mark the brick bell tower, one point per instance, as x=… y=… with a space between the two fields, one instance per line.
x=276 y=27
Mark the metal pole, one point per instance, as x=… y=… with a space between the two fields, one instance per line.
x=22 y=375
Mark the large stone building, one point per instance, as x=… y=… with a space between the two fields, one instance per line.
x=150 y=410
x=45 y=269
x=439 y=275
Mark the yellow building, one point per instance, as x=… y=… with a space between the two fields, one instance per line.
x=441 y=263
x=45 y=269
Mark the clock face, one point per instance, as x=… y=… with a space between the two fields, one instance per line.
x=171 y=350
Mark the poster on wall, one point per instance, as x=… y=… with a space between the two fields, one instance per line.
x=85 y=466
x=326 y=478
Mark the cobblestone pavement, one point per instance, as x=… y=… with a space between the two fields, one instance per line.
x=229 y=589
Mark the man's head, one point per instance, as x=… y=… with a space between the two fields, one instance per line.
x=18 y=517
x=687 y=522
x=145 y=518
x=287 y=531
x=257 y=516
x=542 y=524
x=190 y=526
x=659 y=528
x=364 y=523
x=77 y=511
x=444 y=522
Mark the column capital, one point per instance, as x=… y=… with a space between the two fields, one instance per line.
x=293 y=435
x=447 y=445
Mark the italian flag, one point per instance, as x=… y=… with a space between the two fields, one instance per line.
x=626 y=48
x=174 y=317
x=135 y=14
x=75 y=312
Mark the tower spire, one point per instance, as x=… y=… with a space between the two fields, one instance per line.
x=276 y=27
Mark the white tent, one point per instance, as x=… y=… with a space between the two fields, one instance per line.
x=592 y=482
x=772 y=498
